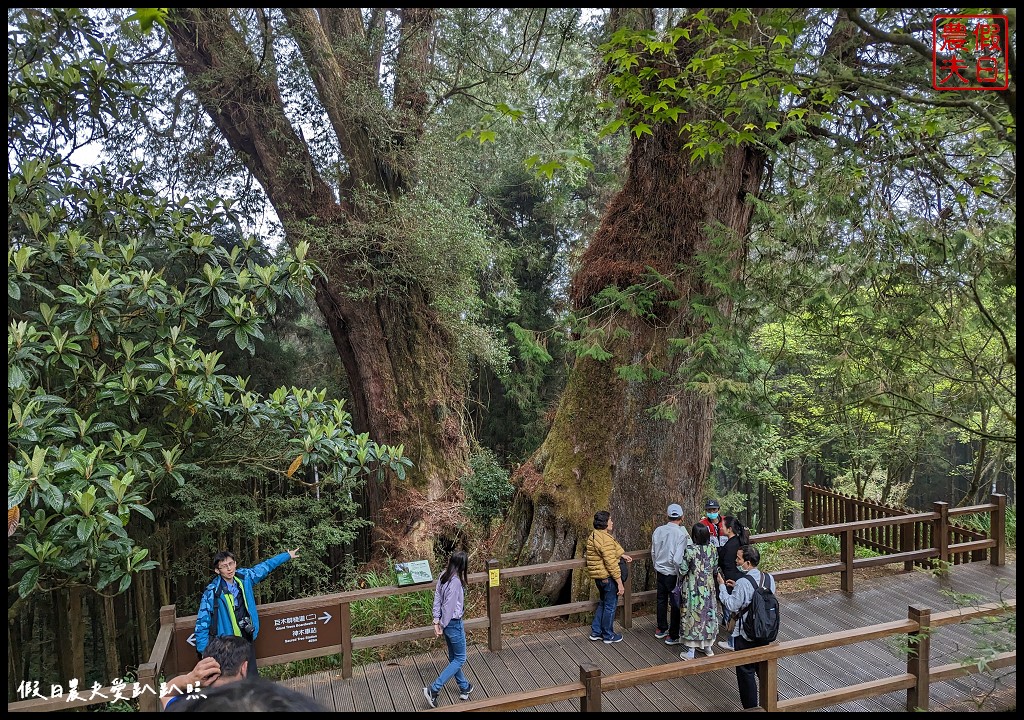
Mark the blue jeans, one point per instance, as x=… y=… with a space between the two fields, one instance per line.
x=604 y=616
x=455 y=638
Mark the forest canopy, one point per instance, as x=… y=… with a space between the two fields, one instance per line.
x=385 y=282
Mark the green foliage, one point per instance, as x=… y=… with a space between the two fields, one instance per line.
x=433 y=237
x=716 y=81
x=982 y=522
x=370 y=616
x=517 y=595
x=112 y=398
x=487 y=487
x=826 y=544
x=875 y=313
x=147 y=17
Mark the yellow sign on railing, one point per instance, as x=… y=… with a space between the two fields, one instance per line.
x=493 y=577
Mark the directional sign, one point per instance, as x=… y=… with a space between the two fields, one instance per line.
x=296 y=631
x=281 y=632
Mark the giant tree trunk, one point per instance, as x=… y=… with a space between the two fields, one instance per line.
x=393 y=347
x=605 y=450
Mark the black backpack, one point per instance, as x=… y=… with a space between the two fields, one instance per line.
x=761 y=617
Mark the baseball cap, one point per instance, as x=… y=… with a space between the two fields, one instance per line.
x=711 y=505
x=674 y=511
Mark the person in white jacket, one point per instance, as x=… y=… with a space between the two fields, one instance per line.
x=668 y=544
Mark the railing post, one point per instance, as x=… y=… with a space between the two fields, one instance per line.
x=148 y=702
x=345 y=615
x=846 y=558
x=940 y=530
x=997 y=523
x=907 y=543
x=626 y=606
x=768 y=681
x=918 y=659
x=167 y=616
x=590 y=676
x=807 y=495
x=493 y=605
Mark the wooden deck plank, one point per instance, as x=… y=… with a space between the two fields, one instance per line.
x=380 y=694
x=594 y=652
x=323 y=693
x=405 y=698
x=554 y=657
x=642 y=650
x=705 y=693
x=526 y=650
x=494 y=680
x=342 y=688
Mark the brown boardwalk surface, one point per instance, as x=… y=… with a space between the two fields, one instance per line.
x=552 y=658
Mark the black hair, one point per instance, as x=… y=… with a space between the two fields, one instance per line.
x=751 y=554
x=248 y=695
x=457 y=564
x=601 y=518
x=734 y=525
x=221 y=556
x=230 y=651
x=700 y=534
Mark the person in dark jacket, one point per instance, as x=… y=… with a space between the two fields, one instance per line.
x=228 y=606
x=737 y=536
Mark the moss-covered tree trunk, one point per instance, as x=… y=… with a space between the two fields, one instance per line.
x=605 y=450
x=393 y=347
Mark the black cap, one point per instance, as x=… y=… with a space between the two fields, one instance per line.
x=711 y=505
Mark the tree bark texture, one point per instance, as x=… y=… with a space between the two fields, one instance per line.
x=796 y=479
x=393 y=347
x=605 y=450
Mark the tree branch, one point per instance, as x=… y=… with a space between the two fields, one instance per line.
x=332 y=83
x=248 y=109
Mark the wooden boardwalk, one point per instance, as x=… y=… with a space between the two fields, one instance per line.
x=551 y=658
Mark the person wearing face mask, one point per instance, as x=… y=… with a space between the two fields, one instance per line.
x=713 y=521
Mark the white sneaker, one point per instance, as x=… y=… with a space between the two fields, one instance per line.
x=726 y=644
x=708 y=652
x=686 y=655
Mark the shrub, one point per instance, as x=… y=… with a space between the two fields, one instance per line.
x=488 y=489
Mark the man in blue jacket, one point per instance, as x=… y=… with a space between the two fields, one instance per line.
x=228 y=607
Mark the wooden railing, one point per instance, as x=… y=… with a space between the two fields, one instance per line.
x=169 y=659
x=828 y=507
x=916 y=680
